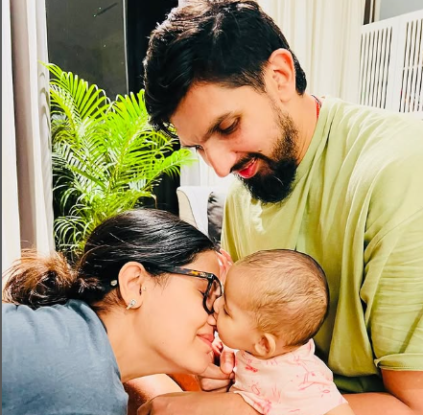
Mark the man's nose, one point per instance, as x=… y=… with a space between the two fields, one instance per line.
x=220 y=159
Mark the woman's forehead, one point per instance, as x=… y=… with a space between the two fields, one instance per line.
x=206 y=261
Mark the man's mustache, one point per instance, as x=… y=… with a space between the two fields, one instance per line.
x=240 y=165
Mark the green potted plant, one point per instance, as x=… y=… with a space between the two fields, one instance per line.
x=106 y=157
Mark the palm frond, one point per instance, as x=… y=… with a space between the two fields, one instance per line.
x=106 y=156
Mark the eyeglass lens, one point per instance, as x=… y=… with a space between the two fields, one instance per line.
x=214 y=293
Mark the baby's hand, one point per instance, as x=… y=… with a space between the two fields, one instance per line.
x=219 y=378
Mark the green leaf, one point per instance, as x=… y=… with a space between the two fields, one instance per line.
x=106 y=157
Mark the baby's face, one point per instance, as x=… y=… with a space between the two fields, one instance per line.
x=235 y=323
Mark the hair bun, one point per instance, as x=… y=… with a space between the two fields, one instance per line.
x=35 y=280
x=88 y=289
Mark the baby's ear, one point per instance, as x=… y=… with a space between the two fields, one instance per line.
x=266 y=346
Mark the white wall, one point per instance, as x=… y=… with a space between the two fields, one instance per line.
x=392 y=8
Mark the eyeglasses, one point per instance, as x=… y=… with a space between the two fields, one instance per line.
x=214 y=286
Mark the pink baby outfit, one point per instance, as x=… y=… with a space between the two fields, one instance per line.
x=296 y=383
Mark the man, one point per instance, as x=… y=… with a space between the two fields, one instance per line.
x=341 y=182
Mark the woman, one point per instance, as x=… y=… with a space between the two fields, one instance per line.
x=138 y=302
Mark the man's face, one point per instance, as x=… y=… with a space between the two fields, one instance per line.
x=241 y=131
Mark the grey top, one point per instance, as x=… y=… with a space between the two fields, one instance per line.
x=58 y=360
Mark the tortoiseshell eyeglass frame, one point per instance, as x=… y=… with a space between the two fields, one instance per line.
x=210 y=277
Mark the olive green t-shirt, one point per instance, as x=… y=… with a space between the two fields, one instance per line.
x=357 y=208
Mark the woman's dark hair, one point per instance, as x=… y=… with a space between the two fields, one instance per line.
x=224 y=41
x=154 y=238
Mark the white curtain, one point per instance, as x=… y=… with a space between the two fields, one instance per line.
x=325 y=37
x=27 y=214
x=200 y=174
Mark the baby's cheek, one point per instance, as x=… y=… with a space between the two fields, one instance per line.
x=220 y=326
x=223 y=330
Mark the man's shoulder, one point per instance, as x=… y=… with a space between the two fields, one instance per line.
x=340 y=108
x=383 y=136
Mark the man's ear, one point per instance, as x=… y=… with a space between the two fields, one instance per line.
x=281 y=74
x=132 y=277
x=266 y=346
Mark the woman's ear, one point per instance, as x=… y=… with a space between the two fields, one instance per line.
x=266 y=346
x=132 y=277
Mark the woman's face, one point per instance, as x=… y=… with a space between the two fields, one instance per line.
x=174 y=321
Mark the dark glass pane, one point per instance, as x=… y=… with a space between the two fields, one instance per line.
x=105 y=42
x=87 y=37
x=143 y=17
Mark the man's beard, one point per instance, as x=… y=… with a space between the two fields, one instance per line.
x=274 y=184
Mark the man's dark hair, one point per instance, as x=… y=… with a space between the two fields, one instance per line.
x=223 y=41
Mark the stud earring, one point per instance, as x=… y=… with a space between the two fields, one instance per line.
x=131 y=304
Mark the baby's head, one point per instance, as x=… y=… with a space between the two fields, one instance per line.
x=274 y=302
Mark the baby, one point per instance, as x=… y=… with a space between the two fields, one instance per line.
x=274 y=303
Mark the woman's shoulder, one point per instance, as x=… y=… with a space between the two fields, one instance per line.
x=63 y=318
x=56 y=328
x=55 y=353
x=50 y=333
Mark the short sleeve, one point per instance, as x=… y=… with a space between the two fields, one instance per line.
x=392 y=290
x=315 y=402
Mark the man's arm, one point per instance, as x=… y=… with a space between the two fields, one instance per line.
x=197 y=403
x=143 y=389
x=392 y=289
x=405 y=396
